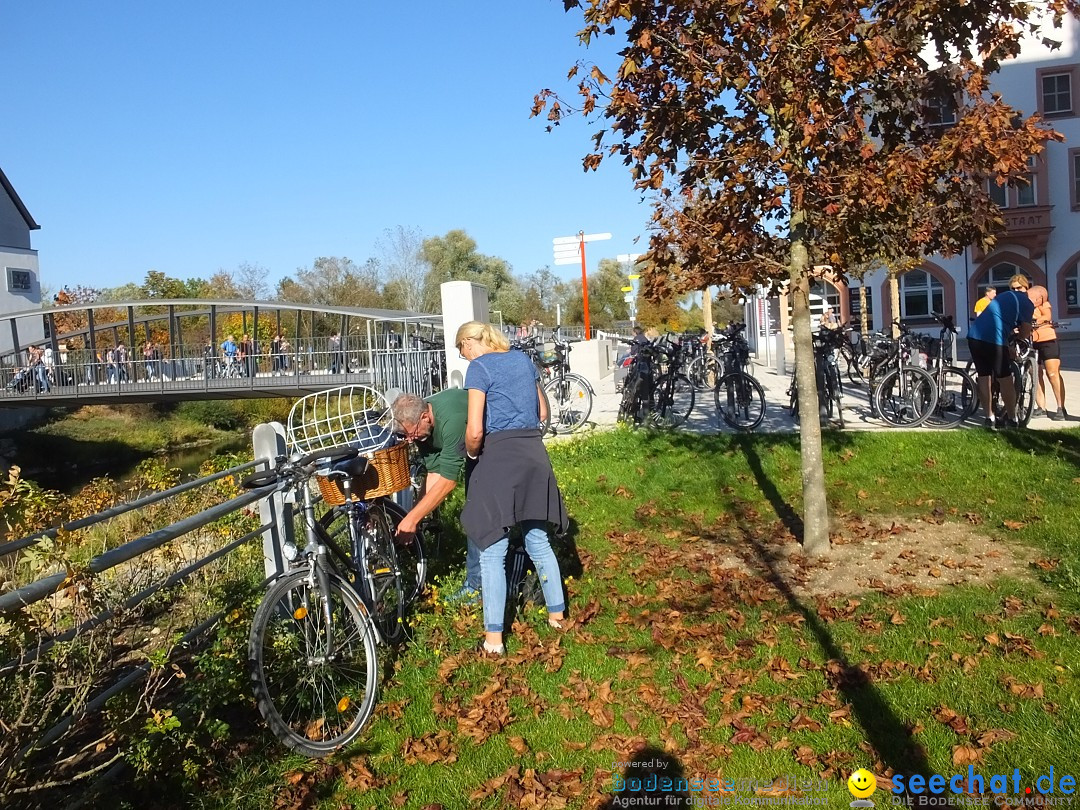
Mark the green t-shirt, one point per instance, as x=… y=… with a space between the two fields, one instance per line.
x=444 y=451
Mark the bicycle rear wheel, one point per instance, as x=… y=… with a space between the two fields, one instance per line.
x=545 y=424
x=835 y=393
x=571 y=402
x=740 y=400
x=628 y=407
x=906 y=397
x=315 y=683
x=957 y=398
x=704 y=372
x=674 y=401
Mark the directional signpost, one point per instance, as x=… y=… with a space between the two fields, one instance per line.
x=568 y=250
x=631 y=291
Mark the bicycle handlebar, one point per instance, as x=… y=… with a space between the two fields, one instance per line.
x=284 y=468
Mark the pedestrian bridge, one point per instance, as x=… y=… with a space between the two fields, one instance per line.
x=172 y=350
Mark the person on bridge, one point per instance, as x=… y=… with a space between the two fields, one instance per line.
x=247 y=356
x=335 y=353
x=229 y=351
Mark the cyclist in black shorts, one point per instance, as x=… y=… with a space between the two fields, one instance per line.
x=988 y=342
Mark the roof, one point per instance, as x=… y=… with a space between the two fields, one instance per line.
x=10 y=189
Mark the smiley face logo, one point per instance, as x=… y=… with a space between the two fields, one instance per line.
x=862 y=784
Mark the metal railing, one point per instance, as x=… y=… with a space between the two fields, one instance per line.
x=17 y=603
x=78 y=374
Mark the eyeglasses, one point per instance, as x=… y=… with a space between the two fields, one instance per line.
x=411 y=434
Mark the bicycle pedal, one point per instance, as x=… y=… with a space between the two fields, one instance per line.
x=382 y=570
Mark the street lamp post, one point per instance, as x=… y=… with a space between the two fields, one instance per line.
x=568 y=249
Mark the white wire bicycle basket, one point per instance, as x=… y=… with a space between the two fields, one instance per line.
x=349 y=416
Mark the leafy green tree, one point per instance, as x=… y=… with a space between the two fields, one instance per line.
x=333 y=281
x=776 y=136
x=454 y=257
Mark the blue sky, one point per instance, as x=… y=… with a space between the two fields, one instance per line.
x=187 y=137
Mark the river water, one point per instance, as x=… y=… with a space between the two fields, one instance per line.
x=70 y=480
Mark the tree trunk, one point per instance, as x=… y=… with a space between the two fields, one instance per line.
x=815 y=538
x=862 y=309
x=894 y=304
x=706 y=312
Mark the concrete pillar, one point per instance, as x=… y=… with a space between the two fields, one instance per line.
x=268 y=441
x=462 y=301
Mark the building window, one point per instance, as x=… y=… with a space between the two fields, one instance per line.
x=940 y=110
x=1025 y=192
x=998 y=276
x=20 y=281
x=1072 y=281
x=921 y=295
x=1057 y=94
x=1074 y=178
x=829 y=295
x=1055 y=90
x=999 y=194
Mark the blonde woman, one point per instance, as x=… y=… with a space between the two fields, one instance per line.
x=1019 y=283
x=511 y=483
x=1044 y=338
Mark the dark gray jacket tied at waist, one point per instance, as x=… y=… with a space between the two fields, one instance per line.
x=512 y=481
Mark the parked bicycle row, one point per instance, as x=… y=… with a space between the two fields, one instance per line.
x=909 y=381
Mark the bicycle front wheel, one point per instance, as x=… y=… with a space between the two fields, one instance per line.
x=314 y=680
x=905 y=397
x=957 y=398
x=381 y=582
x=674 y=401
x=570 y=399
x=411 y=556
x=740 y=400
x=1024 y=381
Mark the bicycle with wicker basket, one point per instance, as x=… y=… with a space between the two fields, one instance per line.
x=312 y=647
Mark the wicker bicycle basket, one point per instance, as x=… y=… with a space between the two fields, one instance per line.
x=350 y=416
x=387 y=473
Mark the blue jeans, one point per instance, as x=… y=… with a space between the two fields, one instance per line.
x=493 y=574
x=472 y=565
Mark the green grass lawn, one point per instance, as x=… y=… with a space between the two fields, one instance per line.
x=730 y=669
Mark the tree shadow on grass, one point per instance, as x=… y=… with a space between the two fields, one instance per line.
x=880 y=724
x=1043 y=444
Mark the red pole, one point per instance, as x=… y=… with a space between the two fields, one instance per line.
x=584 y=284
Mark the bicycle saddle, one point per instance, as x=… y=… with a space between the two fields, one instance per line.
x=348 y=468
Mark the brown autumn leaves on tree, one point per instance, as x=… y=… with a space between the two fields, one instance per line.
x=774 y=136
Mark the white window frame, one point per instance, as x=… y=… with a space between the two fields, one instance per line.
x=931 y=288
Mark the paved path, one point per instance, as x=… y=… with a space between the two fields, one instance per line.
x=703 y=419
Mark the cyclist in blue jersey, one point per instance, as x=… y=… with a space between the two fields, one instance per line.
x=988 y=342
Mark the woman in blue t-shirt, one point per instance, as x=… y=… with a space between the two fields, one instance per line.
x=511 y=482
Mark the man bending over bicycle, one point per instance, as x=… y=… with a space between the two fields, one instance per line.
x=988 y=342
x=437 y=427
